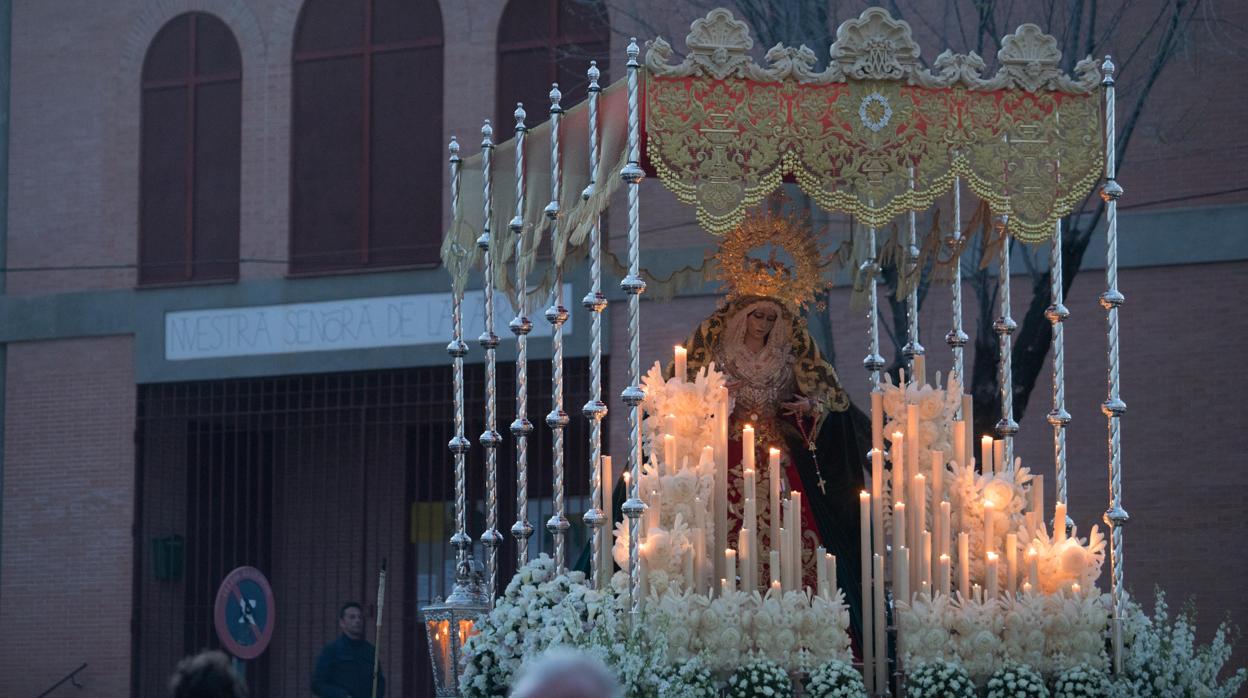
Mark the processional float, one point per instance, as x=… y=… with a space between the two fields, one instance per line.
x=874 y=135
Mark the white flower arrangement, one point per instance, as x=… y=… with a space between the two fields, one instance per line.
x=794 y=630
x=1161 y=658
x=1015 y=680
x=1049 y=633
x=693 y=404
x=538 y=609
x=689 y=679
x=760 y=677
x=835 y=679
x=939 y=680
x=1083 y=681
x=936 y=407
x=968 y=490
x=1071 y=561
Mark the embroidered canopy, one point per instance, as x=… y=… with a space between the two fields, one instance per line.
x=874 y=134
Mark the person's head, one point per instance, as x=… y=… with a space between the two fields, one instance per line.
x=563 y=673
x=351 y=620
x=206 y=675
x=762 y=317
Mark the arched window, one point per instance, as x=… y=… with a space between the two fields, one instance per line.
x=366 y=141
x=189 y=153
x=545 y=41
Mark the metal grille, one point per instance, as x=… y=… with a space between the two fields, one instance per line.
x=313 y=479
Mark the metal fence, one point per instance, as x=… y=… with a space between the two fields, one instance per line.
x=313 y=480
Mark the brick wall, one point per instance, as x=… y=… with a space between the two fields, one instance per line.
x=65 y=594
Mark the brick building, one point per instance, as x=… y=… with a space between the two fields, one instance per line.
x=177 y=171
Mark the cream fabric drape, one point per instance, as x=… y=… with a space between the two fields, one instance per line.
x=577 y=214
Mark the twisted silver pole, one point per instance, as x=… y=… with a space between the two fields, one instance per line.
x=1057 y=314
x=956 y=339
x=490 y=438
x=873 y=362
x=458 y=349
x=1113 y=407
x=913 y=347
x=595 y=302
x=556 y=315
x=520 y=326
x=634 y=286
x=1005 y=327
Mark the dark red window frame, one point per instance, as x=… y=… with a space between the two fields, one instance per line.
x=385 y=152
x=190 y=153
x=560 y=37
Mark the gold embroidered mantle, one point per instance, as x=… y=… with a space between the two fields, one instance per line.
x=874 y=134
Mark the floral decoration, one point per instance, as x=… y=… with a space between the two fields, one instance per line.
x=688 y=679
x=759 y=677
x=835 y=679
x=1082 y=681
x=1015 y=680
x=939 y=680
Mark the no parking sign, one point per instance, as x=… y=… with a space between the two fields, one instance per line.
x=244 y=613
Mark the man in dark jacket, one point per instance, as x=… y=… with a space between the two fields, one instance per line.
x=345 y=667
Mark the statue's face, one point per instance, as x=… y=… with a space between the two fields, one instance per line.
x=760 y=321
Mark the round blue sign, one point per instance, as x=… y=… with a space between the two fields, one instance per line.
x=244 y=613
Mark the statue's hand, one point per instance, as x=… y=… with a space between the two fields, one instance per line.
x=798 y=406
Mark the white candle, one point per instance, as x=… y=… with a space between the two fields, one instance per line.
x=1075 y=589
x=938 y=478
x=682 y=367
x=944 y=575
x=774 y=567
x=898 y=454
x=899 y=525
x=747 y=448
x=920 y=369
x=690 y=572
x=776 y=590
x=964 y=564
x=946 y=528
x=821 y=572
x=749 y=533
x=990 y=575
x=669 y=455
x=1033 y=568
x=1027 y=588
x=968 y=428
x=912 y=437
x=864 y=549
x=829 y=560
x=795 y=531
x=877 y=504
x=1059 y=523
x=977 y=592
x=925 y=568
x=656 y=508
x=730 y=564
x=881 y=636
x=877 y=421
x=985 y=454
x=786 y=580
x=1037 y=494
x=721 y=480
x=998 y=456
x=959 y=442
x=773 y=474
x=902 y=583
x=920 y=504
x=748 y=564
x=990 y=541
x=607 y=531
x=699 y=545
x=1011 y=563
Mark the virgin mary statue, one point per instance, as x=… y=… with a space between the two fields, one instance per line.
x=782 y=386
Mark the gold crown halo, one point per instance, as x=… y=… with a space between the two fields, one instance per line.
x=744 y=275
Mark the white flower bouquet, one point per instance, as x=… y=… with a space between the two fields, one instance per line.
x=1161 y=658
x=835 y=679
x=939 y=680
x=760 y=677
x=1016 y=681
x=1083 y=681
x=689 y=679
x=691 y=405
